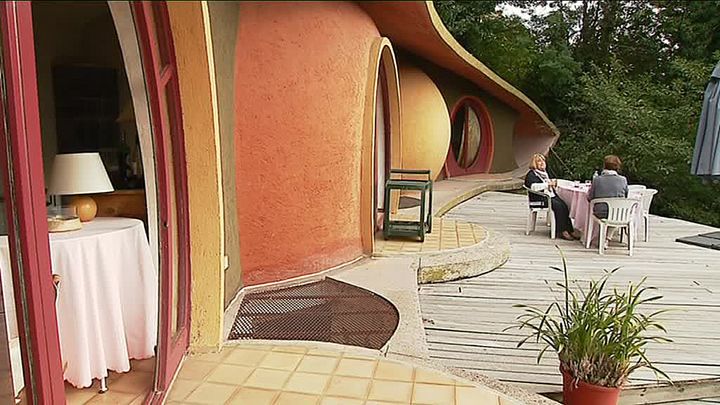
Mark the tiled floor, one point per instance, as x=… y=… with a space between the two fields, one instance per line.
x=123 y=389
x=297 y=375
x=446 y=235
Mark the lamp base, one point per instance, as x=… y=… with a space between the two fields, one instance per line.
x=85 y=207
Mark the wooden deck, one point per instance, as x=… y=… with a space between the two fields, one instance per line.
x=464 y=320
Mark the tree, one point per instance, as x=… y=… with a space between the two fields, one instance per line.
x=622 y=77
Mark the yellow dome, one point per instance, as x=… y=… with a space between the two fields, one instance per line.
x=425 y=122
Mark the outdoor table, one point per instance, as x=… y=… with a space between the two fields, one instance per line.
x=424 y=186
x=575 y=196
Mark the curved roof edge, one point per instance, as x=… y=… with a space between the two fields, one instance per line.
x=469 y=58
x=417 y=27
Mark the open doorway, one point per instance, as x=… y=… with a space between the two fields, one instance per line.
x=383 y=145
x=104 y=267
x=88 y=306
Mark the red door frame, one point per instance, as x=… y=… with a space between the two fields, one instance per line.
x=158 y=56
x=24 y=186
x=484 y=157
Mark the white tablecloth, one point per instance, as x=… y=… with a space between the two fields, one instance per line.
x=575 y=197
x=107 y=301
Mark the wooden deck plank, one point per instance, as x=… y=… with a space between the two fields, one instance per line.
x=465 y=320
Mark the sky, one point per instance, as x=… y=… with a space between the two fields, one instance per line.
x=511 y=10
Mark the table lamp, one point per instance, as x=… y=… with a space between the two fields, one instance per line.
x=76 y=174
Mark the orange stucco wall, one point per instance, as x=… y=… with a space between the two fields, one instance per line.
x=301 y=77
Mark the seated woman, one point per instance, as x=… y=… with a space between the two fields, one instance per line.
x=537 y=179
x=608 y=185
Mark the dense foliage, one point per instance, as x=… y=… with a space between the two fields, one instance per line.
x=624 y=77
x=599 y=335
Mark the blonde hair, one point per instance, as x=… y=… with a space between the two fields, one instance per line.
x=536 y=157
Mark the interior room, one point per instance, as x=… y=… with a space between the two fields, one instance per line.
x=103 y=264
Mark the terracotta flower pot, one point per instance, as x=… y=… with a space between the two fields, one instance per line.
x=582 y=393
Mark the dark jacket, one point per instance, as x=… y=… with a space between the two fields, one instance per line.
x=536 y=201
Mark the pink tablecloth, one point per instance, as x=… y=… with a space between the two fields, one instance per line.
x=107 y=301
x=575 y=196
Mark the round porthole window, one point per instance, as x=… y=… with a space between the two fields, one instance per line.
x=471 y=139
x=466 y=135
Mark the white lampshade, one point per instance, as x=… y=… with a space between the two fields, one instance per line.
x=79 y=173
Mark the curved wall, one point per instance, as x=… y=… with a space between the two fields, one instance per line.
x=425 y=122
x=504 y=118
x=301 y=77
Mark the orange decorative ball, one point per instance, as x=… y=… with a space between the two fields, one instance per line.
x=85 y=206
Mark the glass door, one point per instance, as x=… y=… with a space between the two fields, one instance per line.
x=158 y=53
x=24 y=250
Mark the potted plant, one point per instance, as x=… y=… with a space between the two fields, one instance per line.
x=599 y=335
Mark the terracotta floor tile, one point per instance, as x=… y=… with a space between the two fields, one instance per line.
x=307 y=383
x=136 y=382
x=281 y=361
x=461 y=382
x=390 y=391
x=181 y=389
x=76 y=396
x=247 y=396
x=431 y=377
x=139 y=400
x=230 y=374
x=358 y=355
x=433 y=394
x=216 y=357
x=324 y=353
x=116 y=398
x=211 y=393
x=290 y=349
x=390 y=370
x=340 y=401
x=268 y=379
x=475 y=396
x=245 y=357
x=318 y=364
x=350 y=387
x=291 y=398
x=263 y=347
x=195 y=370
x=143 y=365
x=383 y=403
x=356 y=368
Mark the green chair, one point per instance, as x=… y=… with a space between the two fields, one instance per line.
x=424 y=186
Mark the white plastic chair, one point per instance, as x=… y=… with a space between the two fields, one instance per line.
x=636 y=187
x=620 y=215
x=647 y=197
x=533 y=212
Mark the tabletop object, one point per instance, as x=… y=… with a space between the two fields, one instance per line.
x=76 y=174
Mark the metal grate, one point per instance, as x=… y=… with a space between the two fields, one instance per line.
x=325 y=311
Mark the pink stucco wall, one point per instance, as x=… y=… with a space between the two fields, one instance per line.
x=301 y=76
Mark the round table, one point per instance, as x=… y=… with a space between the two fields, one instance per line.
x=107 y=297
x=575 y=196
